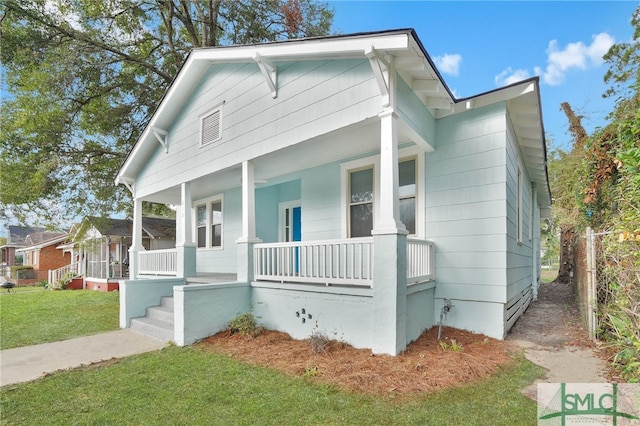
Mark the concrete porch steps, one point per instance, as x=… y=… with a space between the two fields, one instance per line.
x=158 y=321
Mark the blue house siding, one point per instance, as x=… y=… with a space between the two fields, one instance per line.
x=467 y=218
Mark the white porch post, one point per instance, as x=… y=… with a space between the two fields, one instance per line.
x=136 y=239
x=390 y=248
x=248 y=239
x=185 y=247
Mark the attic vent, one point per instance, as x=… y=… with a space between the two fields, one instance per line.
x=212 y=127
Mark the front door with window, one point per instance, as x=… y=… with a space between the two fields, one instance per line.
x=290 y=221
x=291 y=228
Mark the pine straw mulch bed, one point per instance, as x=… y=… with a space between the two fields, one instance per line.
x=424 y=367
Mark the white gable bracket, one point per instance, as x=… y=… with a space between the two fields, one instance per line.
x=269 y=71
x=377 y=61
x=161 y=135
x=128 y=185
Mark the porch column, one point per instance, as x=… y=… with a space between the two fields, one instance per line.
x=248 y=238
x=136 y=239
x=390 y=248
x=185 y=247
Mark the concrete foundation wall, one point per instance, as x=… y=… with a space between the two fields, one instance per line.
x=420 y=309
x=202 y=310
x=344 y=314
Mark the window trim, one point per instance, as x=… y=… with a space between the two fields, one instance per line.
x=203 y=117
x=208 y=203
x=411 y=152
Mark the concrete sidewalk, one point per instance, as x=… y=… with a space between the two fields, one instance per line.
x=30 y=362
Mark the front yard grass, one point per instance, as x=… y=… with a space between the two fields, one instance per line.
x=34 y=315
x=191 y=385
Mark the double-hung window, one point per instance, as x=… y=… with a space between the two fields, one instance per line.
x=209 y=223
x=361 y=193
x=407 y=192
x=361 y=202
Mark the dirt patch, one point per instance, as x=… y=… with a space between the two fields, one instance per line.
x=553 y=321
x=425 y=366
x=554 y=336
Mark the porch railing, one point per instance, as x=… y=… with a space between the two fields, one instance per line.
x=348 y=261
x=53 y=275
x=158 y=262
x=420 y=261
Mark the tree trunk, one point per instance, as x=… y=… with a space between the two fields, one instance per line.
x=566 y=254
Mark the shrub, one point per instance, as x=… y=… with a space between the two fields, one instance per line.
x=22 y=272
x=319 y=342
x=246 y=324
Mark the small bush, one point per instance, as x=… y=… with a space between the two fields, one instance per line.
x=453 y=346
x=22 y=272
x=319 y=342
x=246 y=324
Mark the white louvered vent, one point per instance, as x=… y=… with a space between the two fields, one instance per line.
x=211 y=127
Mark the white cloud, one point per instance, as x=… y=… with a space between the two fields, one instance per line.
x=573 y=56
x=510 y=76
x=448 y=63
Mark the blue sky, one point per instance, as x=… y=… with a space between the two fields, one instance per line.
x=479 y=46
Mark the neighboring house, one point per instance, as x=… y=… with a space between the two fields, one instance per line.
x=336 y=185
x=100 y=248
x=41 y=252
x=16 y=240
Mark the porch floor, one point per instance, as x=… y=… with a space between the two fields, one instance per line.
x=211 y=277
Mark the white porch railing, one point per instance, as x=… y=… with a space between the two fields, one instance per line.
x=420 y=261
x=348 y=261
x=53 y=275
x=158 y=262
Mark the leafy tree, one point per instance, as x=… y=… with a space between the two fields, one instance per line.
x=82 y=78
x=612 y=192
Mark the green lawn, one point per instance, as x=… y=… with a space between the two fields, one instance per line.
x=185 y=386
x=34 y=315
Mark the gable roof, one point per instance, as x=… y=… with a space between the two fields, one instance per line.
x=411 y=61
x=153 y=227
x=39 y=240
x=18 y=234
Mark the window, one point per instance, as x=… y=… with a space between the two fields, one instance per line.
x=209 y=223
x=202 y=225
x=519 y=205
x=216 y=224
x=211 y=126
x=360 y=189
x=361 y=203
x=407 y=193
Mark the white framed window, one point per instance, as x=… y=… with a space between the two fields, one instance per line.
x=211 y=126
x=209 y=223
x=361 y=200
x=360 y=190
x=519 y=204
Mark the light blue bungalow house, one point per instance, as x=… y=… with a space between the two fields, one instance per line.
x=335 y=184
